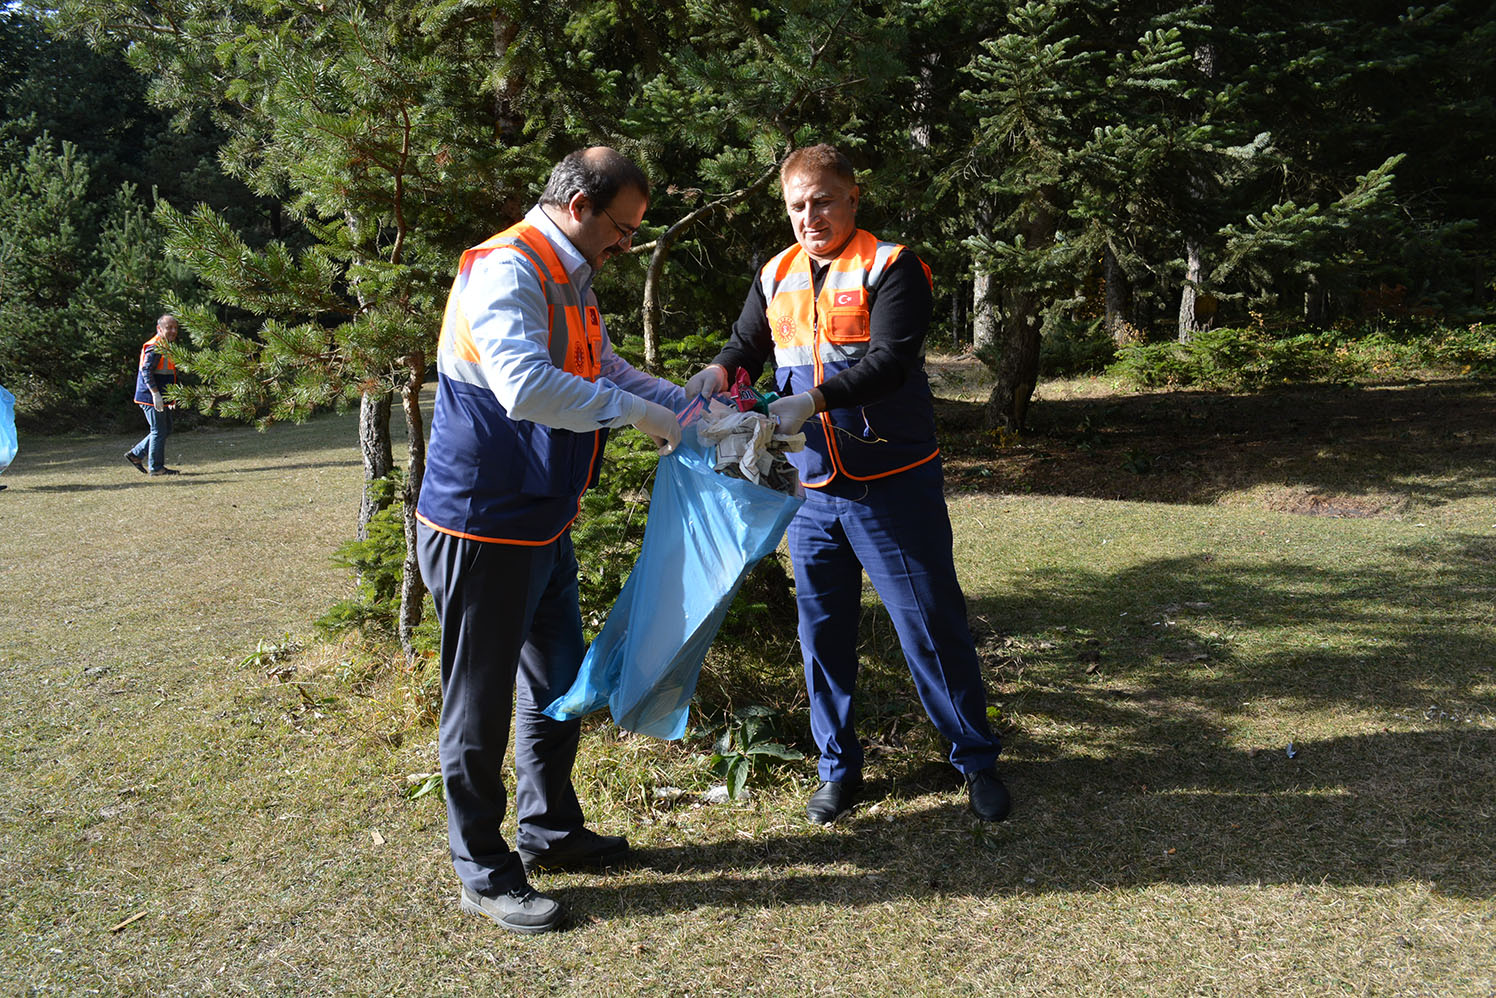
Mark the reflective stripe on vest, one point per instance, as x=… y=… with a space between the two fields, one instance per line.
x=824 y=334
x=163 y=362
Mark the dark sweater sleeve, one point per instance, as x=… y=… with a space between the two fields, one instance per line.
x=148 y=368
x=898 y=324
x=752 y=342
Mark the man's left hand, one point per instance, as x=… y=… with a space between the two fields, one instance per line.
x=792 y=411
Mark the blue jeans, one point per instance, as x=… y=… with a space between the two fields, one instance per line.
x=152 y=446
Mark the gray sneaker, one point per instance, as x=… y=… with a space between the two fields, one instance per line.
x=522 y=910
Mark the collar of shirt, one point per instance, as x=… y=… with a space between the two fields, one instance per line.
x=577 y=268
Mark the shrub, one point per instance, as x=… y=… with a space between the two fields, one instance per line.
x=1071 y=347
x=379 y=561
x=1244 y=359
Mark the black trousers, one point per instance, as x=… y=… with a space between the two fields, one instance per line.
x=511 y=642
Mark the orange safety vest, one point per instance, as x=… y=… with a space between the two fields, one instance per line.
x=160 y=365
x=490 y=477
x=818 y=335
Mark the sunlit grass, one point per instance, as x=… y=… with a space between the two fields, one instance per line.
x=174 y=744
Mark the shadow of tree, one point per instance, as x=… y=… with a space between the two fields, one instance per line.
x=1365 y=810
x=1165 y=759
x=1194 y=446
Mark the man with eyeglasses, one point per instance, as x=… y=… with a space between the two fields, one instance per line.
x=528 y=386
x=844 y=316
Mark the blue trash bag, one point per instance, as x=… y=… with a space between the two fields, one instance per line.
x=705 y=531
x=8 y=442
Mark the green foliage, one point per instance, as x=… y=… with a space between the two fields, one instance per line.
x=81 y=278
x=1073 y=347
x=1245 y=359
x=83 y=267
x=378 y=561
x=744 y=747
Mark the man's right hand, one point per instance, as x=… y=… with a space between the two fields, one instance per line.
x=660 y=423
x=157 y=402
x=708 y=381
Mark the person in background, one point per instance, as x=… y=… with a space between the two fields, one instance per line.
x=154 y=372
x=528 y=386
x=844 y=315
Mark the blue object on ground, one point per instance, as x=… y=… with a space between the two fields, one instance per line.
x=705 y=531
x=8 y=442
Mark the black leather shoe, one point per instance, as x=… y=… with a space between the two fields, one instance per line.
x=583 y=849
x=139 y=464
x=989 y=798
x=832 y=800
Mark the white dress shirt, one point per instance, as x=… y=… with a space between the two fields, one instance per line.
x=507 y=312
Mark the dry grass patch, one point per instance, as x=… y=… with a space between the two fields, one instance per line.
x=177 y=747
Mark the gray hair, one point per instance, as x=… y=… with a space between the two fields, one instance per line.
x=598 y=172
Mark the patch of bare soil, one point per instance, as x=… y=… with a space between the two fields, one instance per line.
x=1322 y=450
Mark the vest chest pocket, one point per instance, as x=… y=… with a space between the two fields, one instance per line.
x=845 y=325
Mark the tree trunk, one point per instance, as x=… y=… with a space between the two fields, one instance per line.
x=958 y=314
x=1190 y=317
x=1316 y=304
x=1189 y=295
x=1118 y=301
x=379 y=459
x=984 y=316
x=412 y=589
x=1017 y=364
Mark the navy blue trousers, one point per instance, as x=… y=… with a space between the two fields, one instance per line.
x=896 y=529
x=511 y=643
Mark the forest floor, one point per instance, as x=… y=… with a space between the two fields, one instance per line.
x=1239 y=648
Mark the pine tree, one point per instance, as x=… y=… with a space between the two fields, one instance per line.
x=373 y=126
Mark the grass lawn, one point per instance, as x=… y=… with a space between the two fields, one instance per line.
x=1240 y=648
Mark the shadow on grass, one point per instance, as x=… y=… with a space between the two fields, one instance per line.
x=1194 y=446
x=1371 y=810
x=1149 y=750
x=187 y=476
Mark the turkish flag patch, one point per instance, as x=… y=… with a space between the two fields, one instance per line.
x=849 y=299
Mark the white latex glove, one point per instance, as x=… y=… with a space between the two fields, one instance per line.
x=708 y=381
x=660 y=423
x=156 y=401
x=791 y=412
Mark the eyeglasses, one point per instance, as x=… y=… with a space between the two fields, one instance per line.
x=625 y=231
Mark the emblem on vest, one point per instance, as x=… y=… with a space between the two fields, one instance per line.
x=784 y=333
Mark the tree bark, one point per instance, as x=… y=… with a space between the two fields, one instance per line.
x=379 y=459
x=1189 y=295
x=1316 y=304
x=984 y=316
x=1118 y=300
x=1017 y=365
x=412 y=588
x=959 y=299
x=1016 y=361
